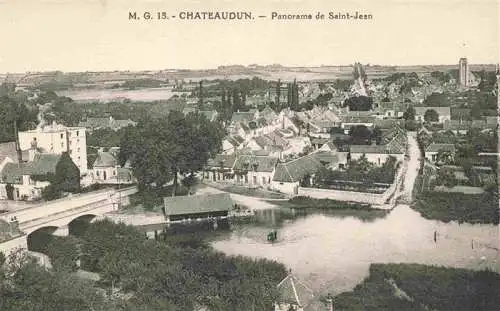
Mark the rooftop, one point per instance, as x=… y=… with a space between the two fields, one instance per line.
x=194 y=204
x=440 y=147
x=297 y=169
x=294 y=292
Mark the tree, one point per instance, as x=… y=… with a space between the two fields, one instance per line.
x=436 y=100
x=444 y=157
x=409 y=114
x=431 y=115
x=160 y=150
x=361 y=135
x=12 y=111
x=447 y=178
x=359 y=103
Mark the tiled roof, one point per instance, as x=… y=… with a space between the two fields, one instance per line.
x=253 y=162
x=295 y=170
x=42 y=164
x=9 y=150
x=105 y=159
x=193 y=204
x=226 y=160
x=242 y=116
x=233 y=140
x=440 y=147
x=358 y=119
x=294 y=292
x=245 y=127
x=271 y=140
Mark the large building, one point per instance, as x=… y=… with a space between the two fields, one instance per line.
x=464 y=76
x=56 y=139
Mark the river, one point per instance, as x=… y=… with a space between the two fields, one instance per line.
x=332 y=253
x=107 y=95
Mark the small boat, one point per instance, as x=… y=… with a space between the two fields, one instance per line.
x=272 y=236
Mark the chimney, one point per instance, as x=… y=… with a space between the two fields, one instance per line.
x=33 y=150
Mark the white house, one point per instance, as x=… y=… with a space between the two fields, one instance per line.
x=444 y=113
x=56 y=139
x=106 y=170
x=254 y=171
x=432 y=151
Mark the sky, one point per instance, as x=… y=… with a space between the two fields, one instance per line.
x=97 y=35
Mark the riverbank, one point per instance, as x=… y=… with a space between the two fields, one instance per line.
x=175 y=272
x=362 y=211
x=421 y=287
x=460 y=207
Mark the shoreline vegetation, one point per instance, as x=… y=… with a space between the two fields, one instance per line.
x=175 y=273
x=339 y=208
x=422 y=287
x=460 y=207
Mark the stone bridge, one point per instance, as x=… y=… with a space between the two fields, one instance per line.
x=56 y=216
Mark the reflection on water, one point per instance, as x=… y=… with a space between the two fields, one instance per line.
x=332 y=252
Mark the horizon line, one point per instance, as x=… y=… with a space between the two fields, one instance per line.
x=242 y=65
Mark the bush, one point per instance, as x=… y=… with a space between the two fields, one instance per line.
x=470 y=208
x=430 y=287
x=50 y=193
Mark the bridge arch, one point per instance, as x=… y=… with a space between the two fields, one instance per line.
x=79 y=225
x=40 y=238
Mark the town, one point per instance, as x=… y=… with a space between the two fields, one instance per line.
x=99 y=172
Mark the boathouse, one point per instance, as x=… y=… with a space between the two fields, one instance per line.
x=294 y=295
x=195 y=207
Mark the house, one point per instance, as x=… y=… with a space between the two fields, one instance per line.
x=106 y=170
x=56 y=139
x=232 y=143
x=294 y=295
x=287 y=176
x=351 y=121
x=220 y=168
x=444 y=113
x=211 y=115
x=272 y=142
x=392 y=143
x=28 y=179
x=254 y=171
x=92 y=124
x=197 y=207
x=8 y=153
x=433 y=149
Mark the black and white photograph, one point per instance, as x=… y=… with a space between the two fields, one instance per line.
x=249 y=155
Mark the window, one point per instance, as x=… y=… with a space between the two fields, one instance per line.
x=78 y=158
x=114 y=173
x=255 y=179
x=263 y=180
x=77 y=149
x=77 y=133
x=70 y=142
x=62 y=136
x=97 y=173
x=70 y=151
x=62 y=145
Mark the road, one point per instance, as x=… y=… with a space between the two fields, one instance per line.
x=413 y=166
